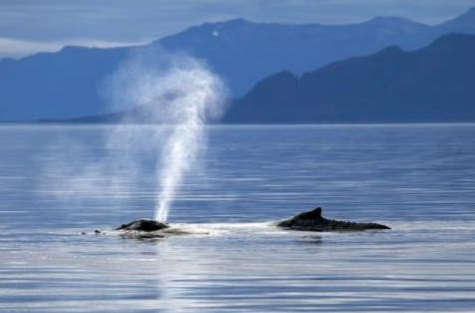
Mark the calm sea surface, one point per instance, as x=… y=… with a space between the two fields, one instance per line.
x=59 y=181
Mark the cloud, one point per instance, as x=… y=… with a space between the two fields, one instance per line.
x=18 y=48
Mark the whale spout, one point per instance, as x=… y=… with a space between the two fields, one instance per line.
x=314 y=221
x=145 y=225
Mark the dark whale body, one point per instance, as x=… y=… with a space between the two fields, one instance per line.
x=307 y=221
x=144 y=225
x=313 y=221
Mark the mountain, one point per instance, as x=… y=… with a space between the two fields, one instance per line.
x=56 y=85
x=432 y=84
x=69 y=83
x=461 y=24
x=244 y=52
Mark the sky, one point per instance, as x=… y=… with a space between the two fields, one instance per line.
x=29 y=26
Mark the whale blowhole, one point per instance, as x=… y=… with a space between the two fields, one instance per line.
x=144 y=225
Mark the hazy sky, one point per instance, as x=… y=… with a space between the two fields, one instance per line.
x=28 y=26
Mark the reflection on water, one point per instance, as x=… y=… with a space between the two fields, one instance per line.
x=417 y=179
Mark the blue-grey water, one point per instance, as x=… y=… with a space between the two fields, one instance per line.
x=59 y=181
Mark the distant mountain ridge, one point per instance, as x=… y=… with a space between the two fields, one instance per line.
x=433 y=84
x=68 y=84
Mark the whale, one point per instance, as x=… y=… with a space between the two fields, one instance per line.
x=148 y=229
x=306 y=221
x=314 y=221
x=144 y=225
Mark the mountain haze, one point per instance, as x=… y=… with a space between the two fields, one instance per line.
x=68 y=83
x=433 y=84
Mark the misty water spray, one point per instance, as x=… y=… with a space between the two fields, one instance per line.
x=175 y=96
x=191 y=95
x=180 y=95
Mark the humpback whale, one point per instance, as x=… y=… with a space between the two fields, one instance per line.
x=145 y=225
x=314 y=221
x=147 y=228
x=306 y=221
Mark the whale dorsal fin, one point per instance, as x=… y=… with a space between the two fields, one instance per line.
x=317 y=212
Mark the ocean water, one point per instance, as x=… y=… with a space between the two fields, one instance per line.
x=59 y=181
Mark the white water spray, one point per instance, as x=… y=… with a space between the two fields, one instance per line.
x=177 y=95
x=181 y=93
x=196 y=96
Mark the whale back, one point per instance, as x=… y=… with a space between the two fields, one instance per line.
x=314 y=221
x=145 y=225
